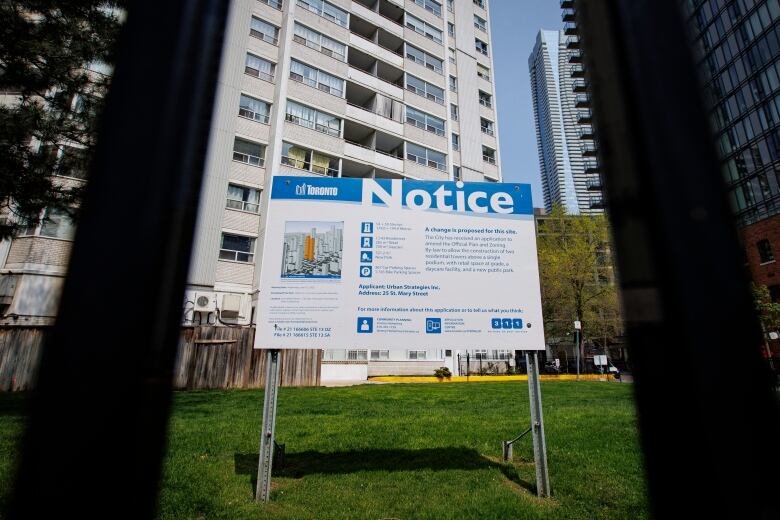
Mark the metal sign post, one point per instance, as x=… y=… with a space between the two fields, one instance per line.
x=537 y=425
x=577 y=328
x=273 y=366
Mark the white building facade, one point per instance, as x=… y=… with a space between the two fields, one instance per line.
x=563 y=118
x=364 y=88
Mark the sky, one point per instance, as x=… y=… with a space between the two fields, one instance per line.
x=514 y=26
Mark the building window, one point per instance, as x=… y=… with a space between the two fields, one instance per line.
x=417 y=354
x=425 y=121
x=455 y=142
x=485 y=99
x=480 y=353
x=426 y=157
x=425 y=89
x=248 y=152
x=456 y=174
x=380 y=355
x=276 y=4
x=430 y=5
x=310 y=118
x=326 y=10
x=316 y=78
x=243 y=198
x=453 y=83
x=424 y=59
x=72 y=162
x=481 y=46
x=320 y=42
x=357 y=355
x=451 y=29
x=423 y=28
x=453 y=112
x=254 y=109
x=480 y=23
x=486 y=126
x=237 y=248
x=264 y=31
x=488 y=155
x=451 y=6
x=765 y=251
x=451 y=53
x=309 y=160
x=774 y=293
x=56 y=223
x=483 y=72
x=480 y=3
x=258 y=67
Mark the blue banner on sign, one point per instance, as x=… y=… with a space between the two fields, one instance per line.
x=488 y=198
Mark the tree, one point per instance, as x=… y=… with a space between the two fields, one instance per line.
x=54 y=57
x=576 y=277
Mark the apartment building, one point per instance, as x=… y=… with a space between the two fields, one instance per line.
x=562 y=114
x=363 y=88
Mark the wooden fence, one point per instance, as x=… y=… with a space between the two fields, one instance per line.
x=208 y=357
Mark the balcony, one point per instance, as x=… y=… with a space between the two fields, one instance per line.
x=589 y=149
x=582 y=101
x=592 y=167
x=586 y=132
x=375 y=73
x=376 y=41
x=578 y=71
x=585 y=117
x=380 y=13
x=593 y=183
x=575 y=56
x=596 y=202
x=368 y=107
x=570 y=29
x=567 y=4
x=568 y=14
x=573 y=42
x=374 y=147
x=579 y=85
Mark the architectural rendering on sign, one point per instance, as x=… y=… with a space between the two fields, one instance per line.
x=312 y=249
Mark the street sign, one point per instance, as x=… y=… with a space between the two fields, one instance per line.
x=577 y=325
x=397 y=264
x=600 y=360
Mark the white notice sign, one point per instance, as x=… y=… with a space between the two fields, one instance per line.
x=391 y=264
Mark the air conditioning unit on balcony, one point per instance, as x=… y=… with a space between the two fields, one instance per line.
x=205 y=302
x=231 y=306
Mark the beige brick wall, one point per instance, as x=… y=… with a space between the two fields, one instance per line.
x=423 y=72
x=257 y=87
x=318 y=60
x=267 y=13
x=38 y=250
x=254 y=130
x=426 y=44
x=418 y=171
x=430 y=139
x=425 y=15
x=241 y=221
x=261 y=48
x=320 y=24
x=426 y=105
x=315 y=98
x=235 y=272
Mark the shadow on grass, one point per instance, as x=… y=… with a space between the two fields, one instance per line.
x=298 y=465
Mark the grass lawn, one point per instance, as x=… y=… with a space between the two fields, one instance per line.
x=395 y=451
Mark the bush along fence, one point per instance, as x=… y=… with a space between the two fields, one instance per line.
x=208 y=357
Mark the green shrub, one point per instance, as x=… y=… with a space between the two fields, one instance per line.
x=442 y=372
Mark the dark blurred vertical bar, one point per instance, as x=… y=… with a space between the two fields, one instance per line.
x=707 y=409
x=96 y=436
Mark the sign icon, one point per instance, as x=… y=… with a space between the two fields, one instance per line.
x=368 y=227
x=495 y=323
x=506 y=323
x=366 y=257
x=367 y=242
x=433 y=325
x=365 y=325
x=517 y=323
x=365 y=271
